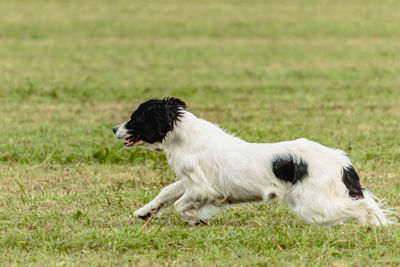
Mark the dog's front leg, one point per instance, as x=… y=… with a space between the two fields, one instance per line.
x=166 y=197
x=189 y=207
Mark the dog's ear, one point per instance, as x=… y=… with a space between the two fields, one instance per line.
x=173 y=108
x=157 y=123
x=175 y=102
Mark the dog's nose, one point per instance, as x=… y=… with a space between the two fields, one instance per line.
x=115 y=129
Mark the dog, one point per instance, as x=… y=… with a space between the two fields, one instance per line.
x=217 y=170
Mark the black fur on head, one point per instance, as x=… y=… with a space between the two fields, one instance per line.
x=153 y=119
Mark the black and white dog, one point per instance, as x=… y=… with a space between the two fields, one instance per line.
x=216 y=170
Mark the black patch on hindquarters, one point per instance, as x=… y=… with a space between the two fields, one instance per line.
x=352 y=181
x=288 y=168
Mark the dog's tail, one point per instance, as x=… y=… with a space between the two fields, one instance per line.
x=380 y=215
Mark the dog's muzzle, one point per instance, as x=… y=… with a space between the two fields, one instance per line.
x=121 y=132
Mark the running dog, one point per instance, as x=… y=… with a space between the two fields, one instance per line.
x=216 y=170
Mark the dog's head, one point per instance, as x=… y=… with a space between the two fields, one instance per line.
x=150 y=122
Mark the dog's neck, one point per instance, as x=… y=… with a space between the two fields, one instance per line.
x=182 y=134
x=191 y=134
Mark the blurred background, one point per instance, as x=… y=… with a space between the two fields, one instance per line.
x=269 y=70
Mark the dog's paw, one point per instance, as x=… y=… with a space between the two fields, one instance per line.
x=145 y=212
x=204 y=222
x=199 y=222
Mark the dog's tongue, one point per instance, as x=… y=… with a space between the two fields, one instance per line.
x=130 y=142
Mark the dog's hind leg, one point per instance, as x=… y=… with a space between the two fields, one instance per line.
x=332 y=211
x=323 y=211
x=165 y=198
x=371 y=212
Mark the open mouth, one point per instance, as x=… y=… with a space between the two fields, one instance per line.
x=131 y=141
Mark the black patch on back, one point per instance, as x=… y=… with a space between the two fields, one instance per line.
x=352 y=181
x=289 y=169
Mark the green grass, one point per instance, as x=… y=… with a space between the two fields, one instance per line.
x=265 y=70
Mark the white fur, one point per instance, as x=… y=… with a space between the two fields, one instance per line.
x=121 y=131
x=217 y=169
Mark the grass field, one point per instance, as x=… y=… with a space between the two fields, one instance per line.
x=265 y=70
